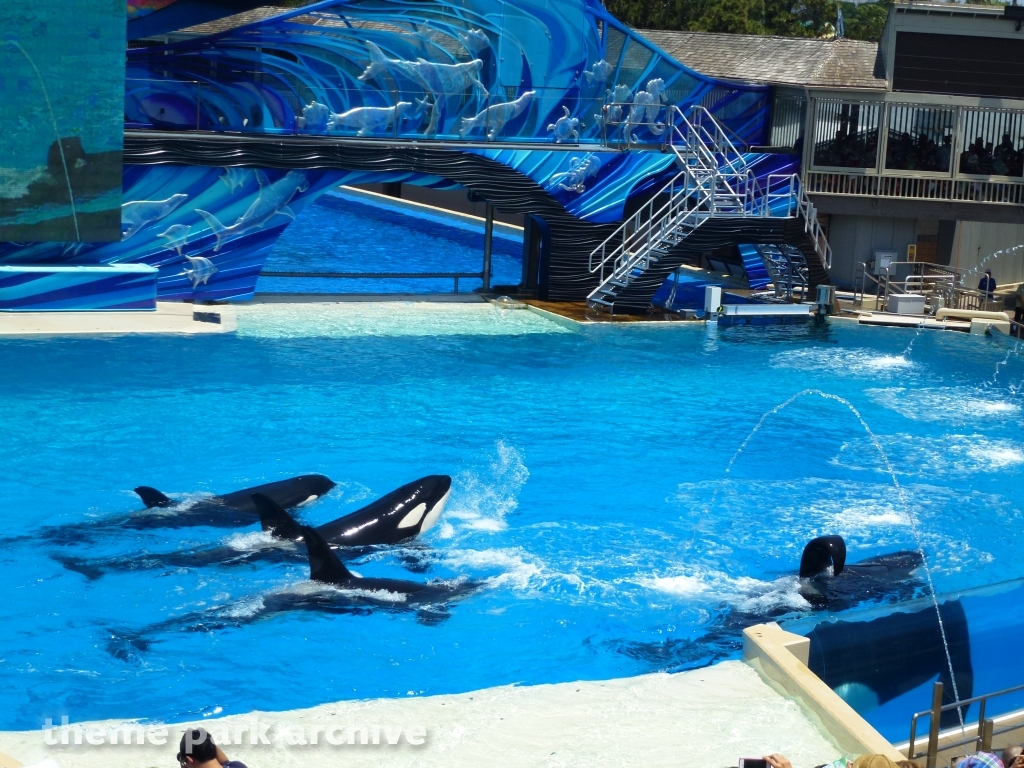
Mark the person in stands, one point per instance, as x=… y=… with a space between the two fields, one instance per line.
x=987 y=285
x=197 y=750
x=1012 y=756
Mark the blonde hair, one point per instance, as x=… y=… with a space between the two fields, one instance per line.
x=874 y=761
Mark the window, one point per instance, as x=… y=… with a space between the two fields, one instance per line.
x=846 y=134
x=920 y=138
x=993 y=144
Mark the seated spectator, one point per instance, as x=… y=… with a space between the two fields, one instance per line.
x=873 y=761
x=1011 y=756
x=981 y=760
x=197 y=750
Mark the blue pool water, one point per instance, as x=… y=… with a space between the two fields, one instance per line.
x=584 y=465
x=339 y=233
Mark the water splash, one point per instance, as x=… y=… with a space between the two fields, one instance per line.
x=914 y=522
x=992 y=257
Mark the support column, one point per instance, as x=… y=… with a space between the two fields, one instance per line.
x=488 y=240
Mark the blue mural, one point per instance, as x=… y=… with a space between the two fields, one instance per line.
x=523 y=77
x=481 y=70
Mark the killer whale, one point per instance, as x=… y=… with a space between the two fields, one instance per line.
x=230 y=510
x=825 y=581
x=331 y=588
x=869 y=663
x=398 y=516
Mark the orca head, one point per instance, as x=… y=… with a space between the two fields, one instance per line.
x=324 y=565
x=820 y=553
x=315 y=486
x=430 y=494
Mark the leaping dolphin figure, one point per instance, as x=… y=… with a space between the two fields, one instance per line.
x=232 y=510
x=398 y=516
x=334 y=589
x=272 y=200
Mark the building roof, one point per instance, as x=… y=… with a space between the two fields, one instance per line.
x=798 y=61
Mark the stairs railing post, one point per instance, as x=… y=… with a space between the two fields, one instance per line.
x=933 y=726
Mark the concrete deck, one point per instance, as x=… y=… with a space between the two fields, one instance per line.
x=169 y=317
x=707 y=717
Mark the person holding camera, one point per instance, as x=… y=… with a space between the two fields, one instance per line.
x=197 y=750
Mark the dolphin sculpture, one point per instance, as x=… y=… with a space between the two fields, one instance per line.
x=332 y=588
x=232 y=510
x=368 y=119
x=396 y=517
x=272 y=200
x=494 y=117
x=137 y=214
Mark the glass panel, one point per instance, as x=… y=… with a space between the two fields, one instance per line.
x=846 y=134
x=920 y=138
x=788 y=114
x=993 y=144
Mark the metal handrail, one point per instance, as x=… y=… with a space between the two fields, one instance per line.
x=983 y=735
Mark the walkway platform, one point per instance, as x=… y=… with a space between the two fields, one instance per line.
x=169 y=317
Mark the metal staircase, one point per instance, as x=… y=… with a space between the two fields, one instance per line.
x=787 y=267
x=713 y=182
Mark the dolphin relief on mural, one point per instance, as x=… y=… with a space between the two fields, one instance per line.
x=565 y=127
x=368 y=119
x=580 y=169
x=495 y=116
x=272 y=200
x=437 y=80
x=474 y=40
x=136 y=215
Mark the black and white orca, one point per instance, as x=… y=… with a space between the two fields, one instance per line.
x=827 y=582
x=396 y=517
x=332 y=588
x=402 y=514
x=869 y=663
x=231 y=510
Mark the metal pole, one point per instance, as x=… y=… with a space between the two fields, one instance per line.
x=986 y=738
x=488 y=238
x=933 y=726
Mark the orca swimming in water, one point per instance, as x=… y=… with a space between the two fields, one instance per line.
x=331 y=588
x=869 y=663
x=825 y=581
x=231 y=510
x=398 y=516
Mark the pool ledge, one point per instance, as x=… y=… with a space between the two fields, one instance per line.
x=781 y=659
x=169 y=317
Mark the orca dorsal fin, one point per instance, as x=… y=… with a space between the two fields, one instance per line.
x=274 y=518
x=822 y=552
x=151 y=497
x=324 y=565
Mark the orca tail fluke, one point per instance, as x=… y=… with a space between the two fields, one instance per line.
x=324 y=565
x=275 y=519
x=151 y=497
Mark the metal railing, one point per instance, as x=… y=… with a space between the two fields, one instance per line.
x=915 y=187
x=456 y=276
x=984 y=733
x=938 y=282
